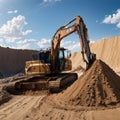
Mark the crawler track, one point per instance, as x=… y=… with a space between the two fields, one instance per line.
x=52 y=83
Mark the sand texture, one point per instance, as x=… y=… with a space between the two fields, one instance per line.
x=99 y=86
x=108 y=50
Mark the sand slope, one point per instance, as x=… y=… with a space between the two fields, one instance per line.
x=99 y=86
x=108 y=50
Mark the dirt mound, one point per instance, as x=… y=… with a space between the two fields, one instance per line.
x=99 y=86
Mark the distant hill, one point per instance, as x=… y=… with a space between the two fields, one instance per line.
x=12 y=61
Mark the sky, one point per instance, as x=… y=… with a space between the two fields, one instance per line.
x=31 y=24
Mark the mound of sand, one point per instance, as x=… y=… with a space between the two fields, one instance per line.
x=99 y=86
x=108 y=50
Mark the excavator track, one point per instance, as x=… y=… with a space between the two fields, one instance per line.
x=51 y=83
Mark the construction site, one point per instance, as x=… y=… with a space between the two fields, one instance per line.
x=46 y=85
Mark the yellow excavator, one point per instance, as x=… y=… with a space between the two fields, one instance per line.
x=46 y=70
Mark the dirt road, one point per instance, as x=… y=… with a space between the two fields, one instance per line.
x=18 y=107
x=33 y=108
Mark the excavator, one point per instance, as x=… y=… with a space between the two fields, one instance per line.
x=46 y=70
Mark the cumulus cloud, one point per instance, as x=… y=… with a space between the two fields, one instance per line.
x=91 y=41
x=25 y=44
x=74 y=47
x=13 y=29
x=71 y=45
x=48 y=2
x=118 y=25
x=26 y=41
x=51 y=1
x=12 y=11
x=1 y=42
x=44 y=43
x=67 y=43
x=113 y=19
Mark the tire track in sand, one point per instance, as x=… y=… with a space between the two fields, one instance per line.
x=18 y=107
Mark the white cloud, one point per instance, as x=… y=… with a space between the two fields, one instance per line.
x=48 y=2
x=1 y=42
x=67 y=43
x=12 y=11
x=13 y=29
x=74 y=47
x=44 y=43
x=113 y=19
x=107 y=19
x=71 y=45
x=25 y=46
x=51 y=0
x=26 y=41
x=118 y=25
x=92 y=41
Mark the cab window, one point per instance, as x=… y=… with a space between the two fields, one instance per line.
x=61 y=54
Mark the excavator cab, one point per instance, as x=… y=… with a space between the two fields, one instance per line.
x=41 y=63
x=44 y=56
x=65 y=63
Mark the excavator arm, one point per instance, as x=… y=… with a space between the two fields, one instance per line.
x=79 y=27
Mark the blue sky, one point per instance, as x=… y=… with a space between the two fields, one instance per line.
x=31 y=24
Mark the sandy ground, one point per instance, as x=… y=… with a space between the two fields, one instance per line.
x=19 y=107
x=40 y=107
x=33 y=108
x=47 y=107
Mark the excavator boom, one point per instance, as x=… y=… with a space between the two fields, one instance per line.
x=79 y=27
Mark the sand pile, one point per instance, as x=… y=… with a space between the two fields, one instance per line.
x=99 y=86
